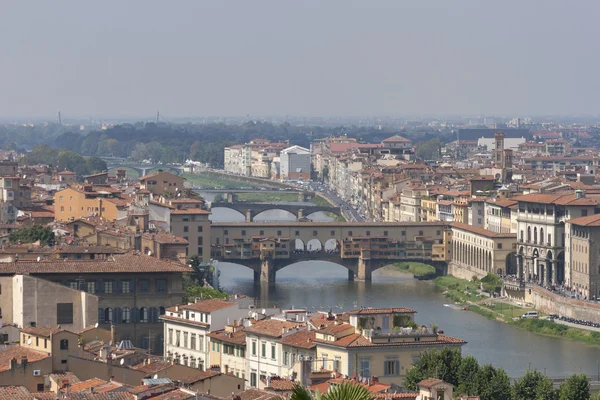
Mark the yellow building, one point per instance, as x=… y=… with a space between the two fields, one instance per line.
x=382 y=342
x=86 y=200
x=159 y=183
x=228 y=350
x=428 y=209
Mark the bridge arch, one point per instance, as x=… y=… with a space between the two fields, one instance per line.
x=217 y=206
x=314 y=245
x=257 y=217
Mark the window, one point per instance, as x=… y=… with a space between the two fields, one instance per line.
x=144 y=285
x=185 y=339
x=324 y=361
x=278 y=233
x=420 y=233
x=499 y=245
x=286 y=358
x=64 y=344
x=62 y=208
x=315 y=233
x=200 y=251
x=297 y=233
x=64 y=313
x=349 y=233
x=199 y=228
x=243 y=233
x=186 y=229
x=125 y=286
x=254 y=347
x=40 y=387
x=391 y=367
x=272 y=351
x=108 y=314
x=261 y=233
x=365 y=367
x=584 y=213
x=73 y=285
x=200 y=241
x=337 y=363
x=161 y=285
x=170 y=336
x=332 y=233
x=177 y=336
x=438 y=233
x=126 y=315
x=108 y=286
x=368 y=233
x=91 y=287
x=225 y=232
x=143 y=314
x=263 y=350
x=253 y=379
x=385 y=233
x=193 y=341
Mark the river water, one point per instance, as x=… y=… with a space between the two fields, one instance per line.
x=319 y=285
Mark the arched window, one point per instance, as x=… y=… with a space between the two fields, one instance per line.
x=108 y=315
x=64 y=344
x=101 y=315
x=126 y=315
x=528 y=234
x=161 y=310
x=541 y=235
x=143 y=314
x=535 y=235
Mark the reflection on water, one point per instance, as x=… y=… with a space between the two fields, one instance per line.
x=323 y=285
x=320 y=285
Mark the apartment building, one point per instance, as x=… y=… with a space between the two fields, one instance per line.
x=193 y=225
x=294 y=163
x=542 y=234
x=187 y=328
x=27 y=301
x=80 y=201
x=161 y=183
x=228 y=349
x=501 y=215
x=410 y=201
x=582 y=260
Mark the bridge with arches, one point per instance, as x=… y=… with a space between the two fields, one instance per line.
x=360 y=247
x=251 y=210
x=140 y=168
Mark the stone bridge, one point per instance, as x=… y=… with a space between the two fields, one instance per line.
x=251 y=210
x=141 y=169
x=267 y=247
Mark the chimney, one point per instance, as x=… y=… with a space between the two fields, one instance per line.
x=12 y=363
x=375 y=379
x=112 y=334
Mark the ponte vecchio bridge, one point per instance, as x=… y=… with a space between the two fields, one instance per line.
x=362 y=248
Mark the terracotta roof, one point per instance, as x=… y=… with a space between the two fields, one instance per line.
x=503 y=202
x=393 y=396
x=303 y=339
x=280 y=384
x=358 y=340
x=238 y=337
x=165 y=238
x=89 y=249
x=155 y=365
x=270 y=327
x=114 y=264
x=43 y=395
x=43 y=331
x=198 y=376
x=564 y=199
x=427 y=383
x=208 y=305
x=590 y=220
x=66 y=172
x=481 y=231
x=195 y=211
x=179 y=395
x=257 y=394
x=15 y=393
x=65 y=376
x=18 y=352
x=85 y=385
x=152 y=175
x=370 y=310
x=395 y=139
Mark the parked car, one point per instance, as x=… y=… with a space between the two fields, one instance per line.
x=530 y=314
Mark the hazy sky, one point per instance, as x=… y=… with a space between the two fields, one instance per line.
x=351 y=58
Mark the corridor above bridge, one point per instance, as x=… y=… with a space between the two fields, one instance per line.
x=361 y=247
x=251 y=210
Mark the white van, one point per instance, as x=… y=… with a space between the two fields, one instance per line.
x=530 y=314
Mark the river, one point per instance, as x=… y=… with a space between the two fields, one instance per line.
x=322 y=285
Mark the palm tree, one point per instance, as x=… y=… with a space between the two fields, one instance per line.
x=343 y=391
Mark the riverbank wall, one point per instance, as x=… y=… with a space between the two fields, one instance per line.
x=551 y=303
x=463 y=272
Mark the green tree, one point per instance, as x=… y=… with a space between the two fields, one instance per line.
x=32 y=234
x=442 y=364
x=429 y=150
x=202 y=270
x=576 y=387
x=469 y=367
x=492 y=384
x=95 y=164
x=343 y=391
x=533 y=385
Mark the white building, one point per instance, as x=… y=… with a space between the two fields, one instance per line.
x=295 y=163
x=264 y=351
x=186 y=328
